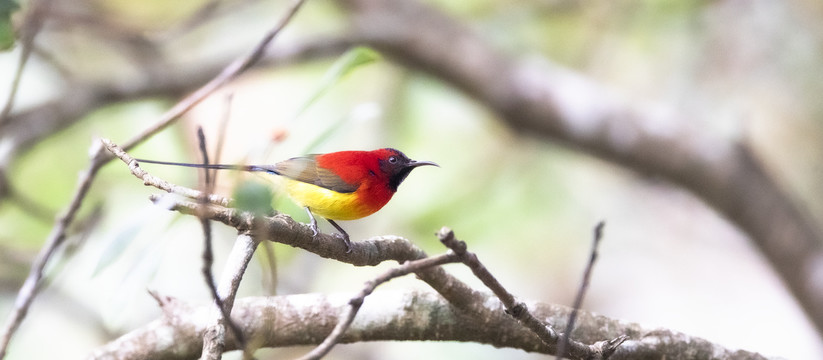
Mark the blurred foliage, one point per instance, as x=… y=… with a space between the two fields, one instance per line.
x=745 y=70
x=7 y=8
x=254 y=197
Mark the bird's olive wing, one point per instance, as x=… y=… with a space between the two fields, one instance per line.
x=305 y=169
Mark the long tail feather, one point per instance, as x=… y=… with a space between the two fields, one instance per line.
x=265 y=168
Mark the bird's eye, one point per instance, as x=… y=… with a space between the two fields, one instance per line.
x=392 y=159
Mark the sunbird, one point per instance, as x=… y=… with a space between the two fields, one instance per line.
x=343 y=185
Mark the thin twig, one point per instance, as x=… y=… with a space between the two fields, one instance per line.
x=151 y=180
x=207 y=185
x=214 y=339
x=357 y=301
x=518 y=310
x=581 y=292
x=238 y=260
x=28 y=291
x=513 y=308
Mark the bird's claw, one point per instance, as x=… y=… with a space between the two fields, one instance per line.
x=312 y=222
x=346 y=241
x=342 y=235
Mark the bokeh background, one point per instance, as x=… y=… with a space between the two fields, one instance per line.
x=746 y=70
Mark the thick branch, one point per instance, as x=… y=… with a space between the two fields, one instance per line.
x=560 y=105
x=307 y=319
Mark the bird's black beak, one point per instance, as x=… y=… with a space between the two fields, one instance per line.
x=415 y=164
x=402 y=172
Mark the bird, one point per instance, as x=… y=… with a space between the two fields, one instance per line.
x=342 y=185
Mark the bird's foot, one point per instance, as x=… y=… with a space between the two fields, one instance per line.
x=312 y=222
x=313 y=227
x=346 y=241
x=343 y=235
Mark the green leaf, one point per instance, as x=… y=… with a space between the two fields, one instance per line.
x=7 y=7
x=347 y=63
x=254 y=197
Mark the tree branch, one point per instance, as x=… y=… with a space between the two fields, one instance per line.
x=306 y=319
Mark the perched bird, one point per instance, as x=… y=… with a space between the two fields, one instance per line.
x=343 y=185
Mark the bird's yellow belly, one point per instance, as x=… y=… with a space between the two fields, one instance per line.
x=327 y=203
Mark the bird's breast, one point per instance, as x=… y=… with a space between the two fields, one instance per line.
x=330 y=204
